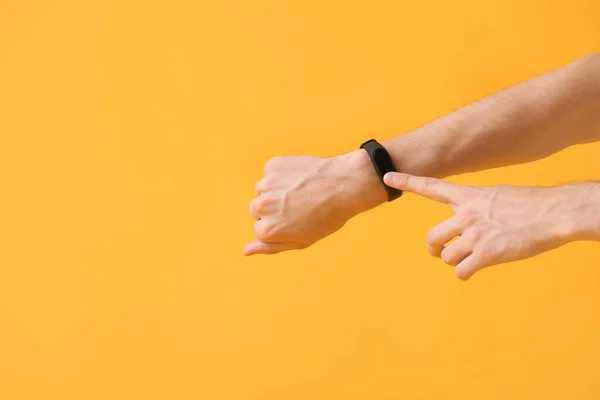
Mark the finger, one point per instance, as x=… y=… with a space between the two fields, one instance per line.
x=253 y=211
x=432 y=188
x=261 y=186
x=263 y=229
x=441 y=234
x=467 y=267
x=259 y=247
x=457 y=251
x=268 y=230
x=263 y=205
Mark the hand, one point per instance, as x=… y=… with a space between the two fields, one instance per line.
x=499 y=224
x=304 y=199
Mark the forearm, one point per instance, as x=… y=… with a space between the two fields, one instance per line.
x=520 y=124
x=523 y=123
x=582 y=212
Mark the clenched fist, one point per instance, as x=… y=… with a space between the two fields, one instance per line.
x=303 y=199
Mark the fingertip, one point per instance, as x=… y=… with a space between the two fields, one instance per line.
x=462 y=278
x=398 y=180
x=251 y=248
x=390 y=178
x=462 y=274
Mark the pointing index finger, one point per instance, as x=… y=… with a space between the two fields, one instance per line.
x=431 y=188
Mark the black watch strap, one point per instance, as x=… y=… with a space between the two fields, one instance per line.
x=383 y=164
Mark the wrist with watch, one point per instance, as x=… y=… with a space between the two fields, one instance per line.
x=382 y=162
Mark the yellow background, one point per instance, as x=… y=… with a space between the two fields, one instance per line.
x=132 y=134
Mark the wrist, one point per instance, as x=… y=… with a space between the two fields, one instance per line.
x=360 y=188
x=581 y=221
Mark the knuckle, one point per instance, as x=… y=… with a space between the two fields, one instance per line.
x=433 y=250
x=432 y=237
x=265 y=231
x=264 y=185
x=447 y=257
x=466 y=219
x=265 y=182
x=474 y=233
x=272 y=163
x=265 y=203
x=251 y=208
x=260 y=186
x=259 y=204
x=429 y=183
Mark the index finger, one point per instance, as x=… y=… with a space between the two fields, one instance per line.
x=432 y=188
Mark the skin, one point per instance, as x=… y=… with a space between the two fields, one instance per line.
x=304 y=199
x=499 y=224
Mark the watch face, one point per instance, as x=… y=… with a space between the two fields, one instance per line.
x=383 y=161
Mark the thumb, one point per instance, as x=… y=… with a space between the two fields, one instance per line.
x=431 y=188
x=259 y=247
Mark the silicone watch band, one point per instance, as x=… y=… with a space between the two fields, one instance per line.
x=383 y=164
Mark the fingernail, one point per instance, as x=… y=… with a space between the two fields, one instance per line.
x=388 y=178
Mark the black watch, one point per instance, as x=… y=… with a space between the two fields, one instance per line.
x=383 y=164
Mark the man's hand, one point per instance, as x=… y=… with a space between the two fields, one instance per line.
x=303 y=199
x=500 y=224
